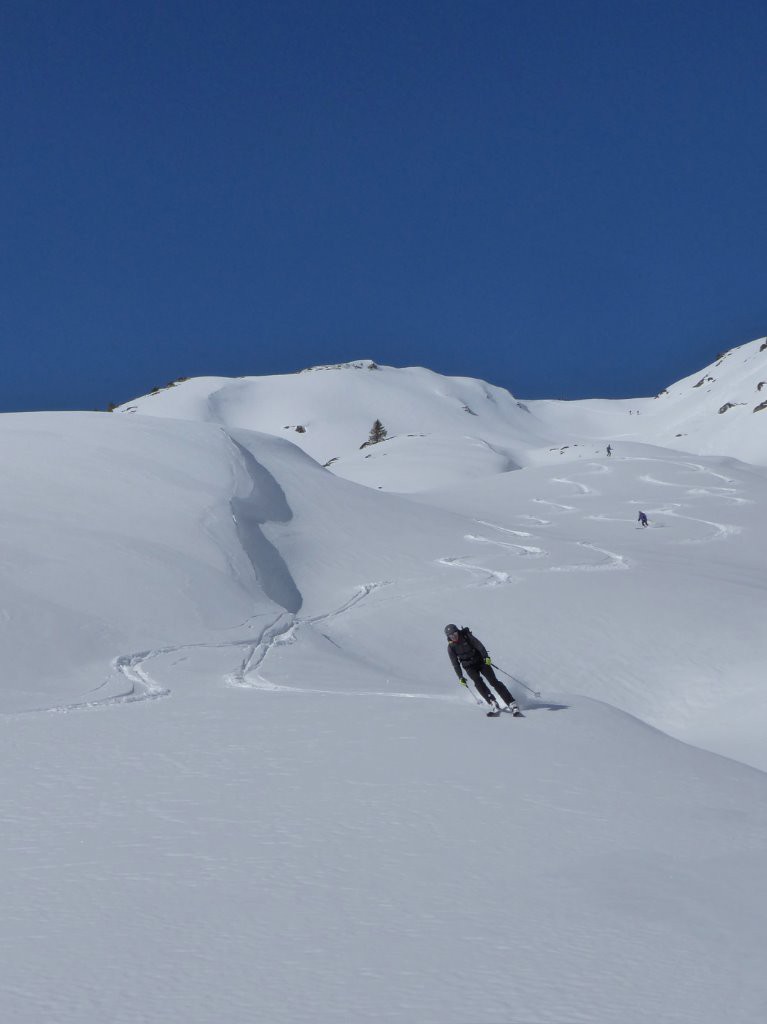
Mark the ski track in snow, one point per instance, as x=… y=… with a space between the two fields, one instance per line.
x=554 y=504
x=697 y=468
x=274 y=637
x=491 y=577
x=277 y=635
x=725 y=493
x=611 y=560
x=280 y=630
x=581 y=488
x=504 y=529
x=647 y=479
x=517 y=549
x=721 y=530
x=141 y=688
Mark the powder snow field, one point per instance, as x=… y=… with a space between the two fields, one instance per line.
x=241 y=782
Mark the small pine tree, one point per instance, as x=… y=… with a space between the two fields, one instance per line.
x=377 y=432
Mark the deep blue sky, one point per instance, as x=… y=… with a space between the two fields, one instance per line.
x=568 y=199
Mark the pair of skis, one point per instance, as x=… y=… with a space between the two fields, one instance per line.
x=497 y=712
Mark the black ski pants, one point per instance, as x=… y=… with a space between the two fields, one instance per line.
x=473 y=672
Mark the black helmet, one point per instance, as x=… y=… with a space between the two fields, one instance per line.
x=451 y=628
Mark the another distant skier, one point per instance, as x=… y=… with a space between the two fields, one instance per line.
x=643 y=519
x=609 y=451
x=468 y=655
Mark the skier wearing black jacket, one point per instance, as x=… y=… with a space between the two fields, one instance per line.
x=469 y=655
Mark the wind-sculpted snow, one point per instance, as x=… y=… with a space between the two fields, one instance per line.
x=118 y=538
x=265 y=503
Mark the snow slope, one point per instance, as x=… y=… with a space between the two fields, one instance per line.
x=728 y=417
x=718 y=410
x=329 y=411
x=241 y=781
x=435 y=422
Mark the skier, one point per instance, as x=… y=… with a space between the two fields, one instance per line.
x=609 y=451
x=469 y=655
x=642 y=519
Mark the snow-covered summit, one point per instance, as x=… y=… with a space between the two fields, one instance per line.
x=446 y=429
x=432 y=421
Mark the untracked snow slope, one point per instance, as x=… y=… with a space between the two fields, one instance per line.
x=432 y=421
x=241 y=782
x=232 y=854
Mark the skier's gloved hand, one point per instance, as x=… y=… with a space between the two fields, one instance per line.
x=488 y=661
x=462 y=681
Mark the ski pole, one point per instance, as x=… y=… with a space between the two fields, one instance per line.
x=534 y=692
x=476 y=698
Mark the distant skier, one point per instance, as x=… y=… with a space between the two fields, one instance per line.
x=642 y=519
x=468 y=655
x=609 y=451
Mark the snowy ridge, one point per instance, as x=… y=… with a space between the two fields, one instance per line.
x=261 y=773
x=329 y=411
x=436 y=421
